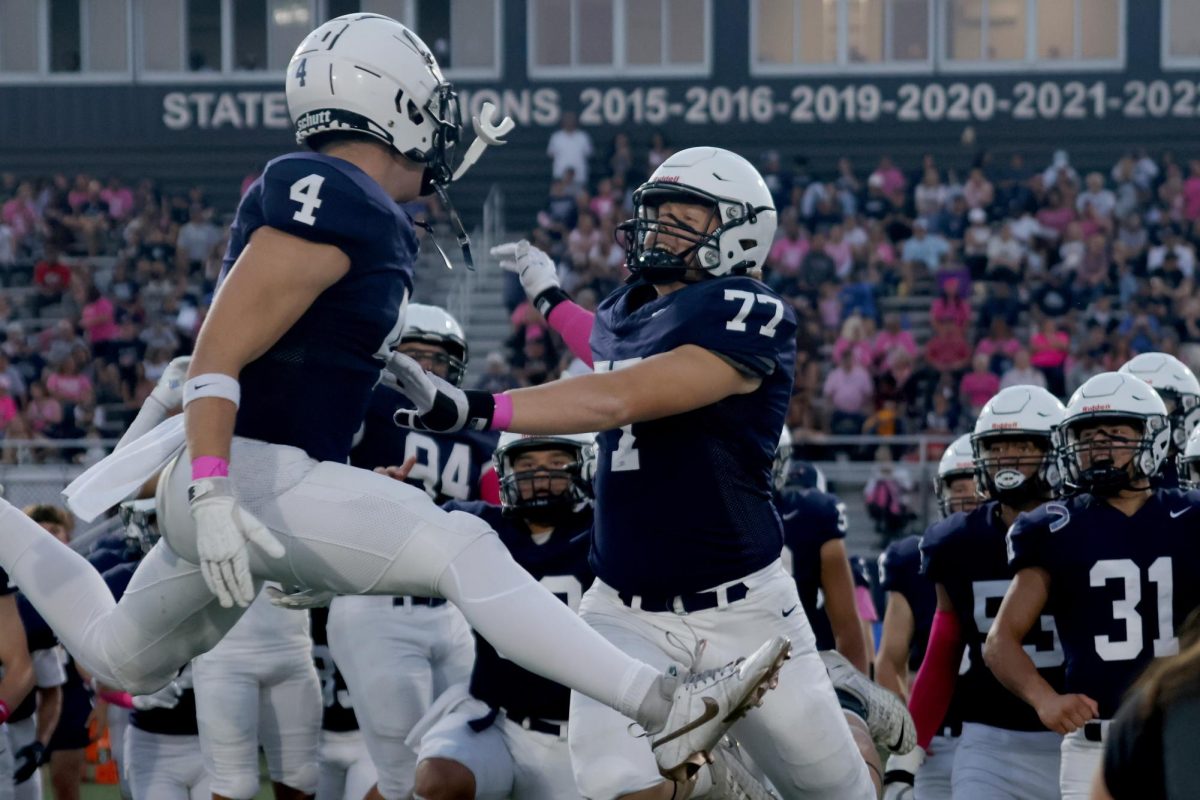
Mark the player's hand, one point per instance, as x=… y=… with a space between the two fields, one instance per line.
x=535 y=269
x=169 y=389
x=1066 y=713
x=165 y=698
x=901 y=773
x=299 y=599
x=441 y=407
x=222 y=530
x=401 y=472
x=27 y=760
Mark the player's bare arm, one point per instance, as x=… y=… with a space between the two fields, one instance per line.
x=891 y=662
x=1019 y=612
x=271 y=285
x=837 y=584
x=18 y=678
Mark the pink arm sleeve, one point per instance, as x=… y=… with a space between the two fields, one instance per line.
x=574 y=324
x=933 y=687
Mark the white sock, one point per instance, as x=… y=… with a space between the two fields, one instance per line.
x=534 y=628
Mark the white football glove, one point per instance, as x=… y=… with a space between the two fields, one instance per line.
x=222 y=530
x=298 y=599
x=901 y=773
x=441 y=407
x=535 y=269
x=165 y=698
x=169 y=389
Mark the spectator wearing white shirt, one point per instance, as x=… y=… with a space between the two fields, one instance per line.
x=570 y=148
x=1172 y=243
x=1022 y=372
x=1005 y=255
x=1100 y=199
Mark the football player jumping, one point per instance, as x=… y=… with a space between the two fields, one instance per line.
x=1117 y=565
x=310 y=301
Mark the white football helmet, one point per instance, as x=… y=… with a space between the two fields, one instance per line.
x=1018 y=412
x=957 y=461
x=545 y=505
x=433 y=325
x=1117 y=396
x=370 y=74
x=1188 y=463
x=783 y=460
x=740 y=203
x=1176 y=385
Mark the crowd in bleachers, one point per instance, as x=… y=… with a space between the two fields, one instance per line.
x=922 y=292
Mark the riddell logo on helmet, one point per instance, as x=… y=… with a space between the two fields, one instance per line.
x=313 y=119
x=1000 y=426
x=1097 y=408
x=669 y=179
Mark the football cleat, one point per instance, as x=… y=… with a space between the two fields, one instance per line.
x=888 y=719
x=733 y=777
x=706 y=704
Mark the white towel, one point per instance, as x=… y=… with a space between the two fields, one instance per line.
x=118 y=475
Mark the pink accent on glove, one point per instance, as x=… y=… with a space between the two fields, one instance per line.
x=209 y=467
x=122 y=699
x=929 y=699
x=574 y=324
x=503 y=414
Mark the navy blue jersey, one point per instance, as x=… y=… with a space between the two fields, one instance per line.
x=448 y=466
x=560 y=564
x=1168 y=475
x=310 y=389
x=810 y=519
x=685 y=503
x=900 y=572
x=177 y=721
x=338 y=715
x=38 y=636
x=1119 y=586
x=966 y=554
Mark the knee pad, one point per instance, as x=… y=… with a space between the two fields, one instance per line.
x=243 y=786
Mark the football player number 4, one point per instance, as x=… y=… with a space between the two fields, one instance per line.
x=1125 y=610
x=305 y=192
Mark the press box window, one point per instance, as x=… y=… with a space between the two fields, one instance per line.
x=1033 y=32
x=792 y=35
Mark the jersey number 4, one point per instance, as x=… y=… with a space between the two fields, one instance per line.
x=748 y=299
x=305 y=192
x=1125 y=608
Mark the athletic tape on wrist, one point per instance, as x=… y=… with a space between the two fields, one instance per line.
x=212 y=384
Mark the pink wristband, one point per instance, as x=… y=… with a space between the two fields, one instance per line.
x=4 y=711
x=209 y=467
x=502 y=416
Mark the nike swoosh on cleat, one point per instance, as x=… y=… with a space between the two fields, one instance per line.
x=1180 y=512
x=711 y=709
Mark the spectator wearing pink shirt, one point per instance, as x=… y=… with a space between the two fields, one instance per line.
x=1191 y=192
x=853 y=339
x=43 y=411
x=1048 y=351
x=119 y=199
x=892 y=179
x=8 y=405
x=788 y=251
x=950 y=307
x=978 y=190
x=840 y=250
x=889 y=340
x=97 y=320
x=67 y=384
x=979 y=385
x=848 y=390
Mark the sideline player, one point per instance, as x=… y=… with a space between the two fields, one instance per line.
x=402 y=652
x=33 y=722
x=1117 y=565
x=911 y=601
x=259 y=687
x=311 y=298
x=1180 y=392
x=18 y=678
x=693 y=367
x=347 y=772
x=1005 y=750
